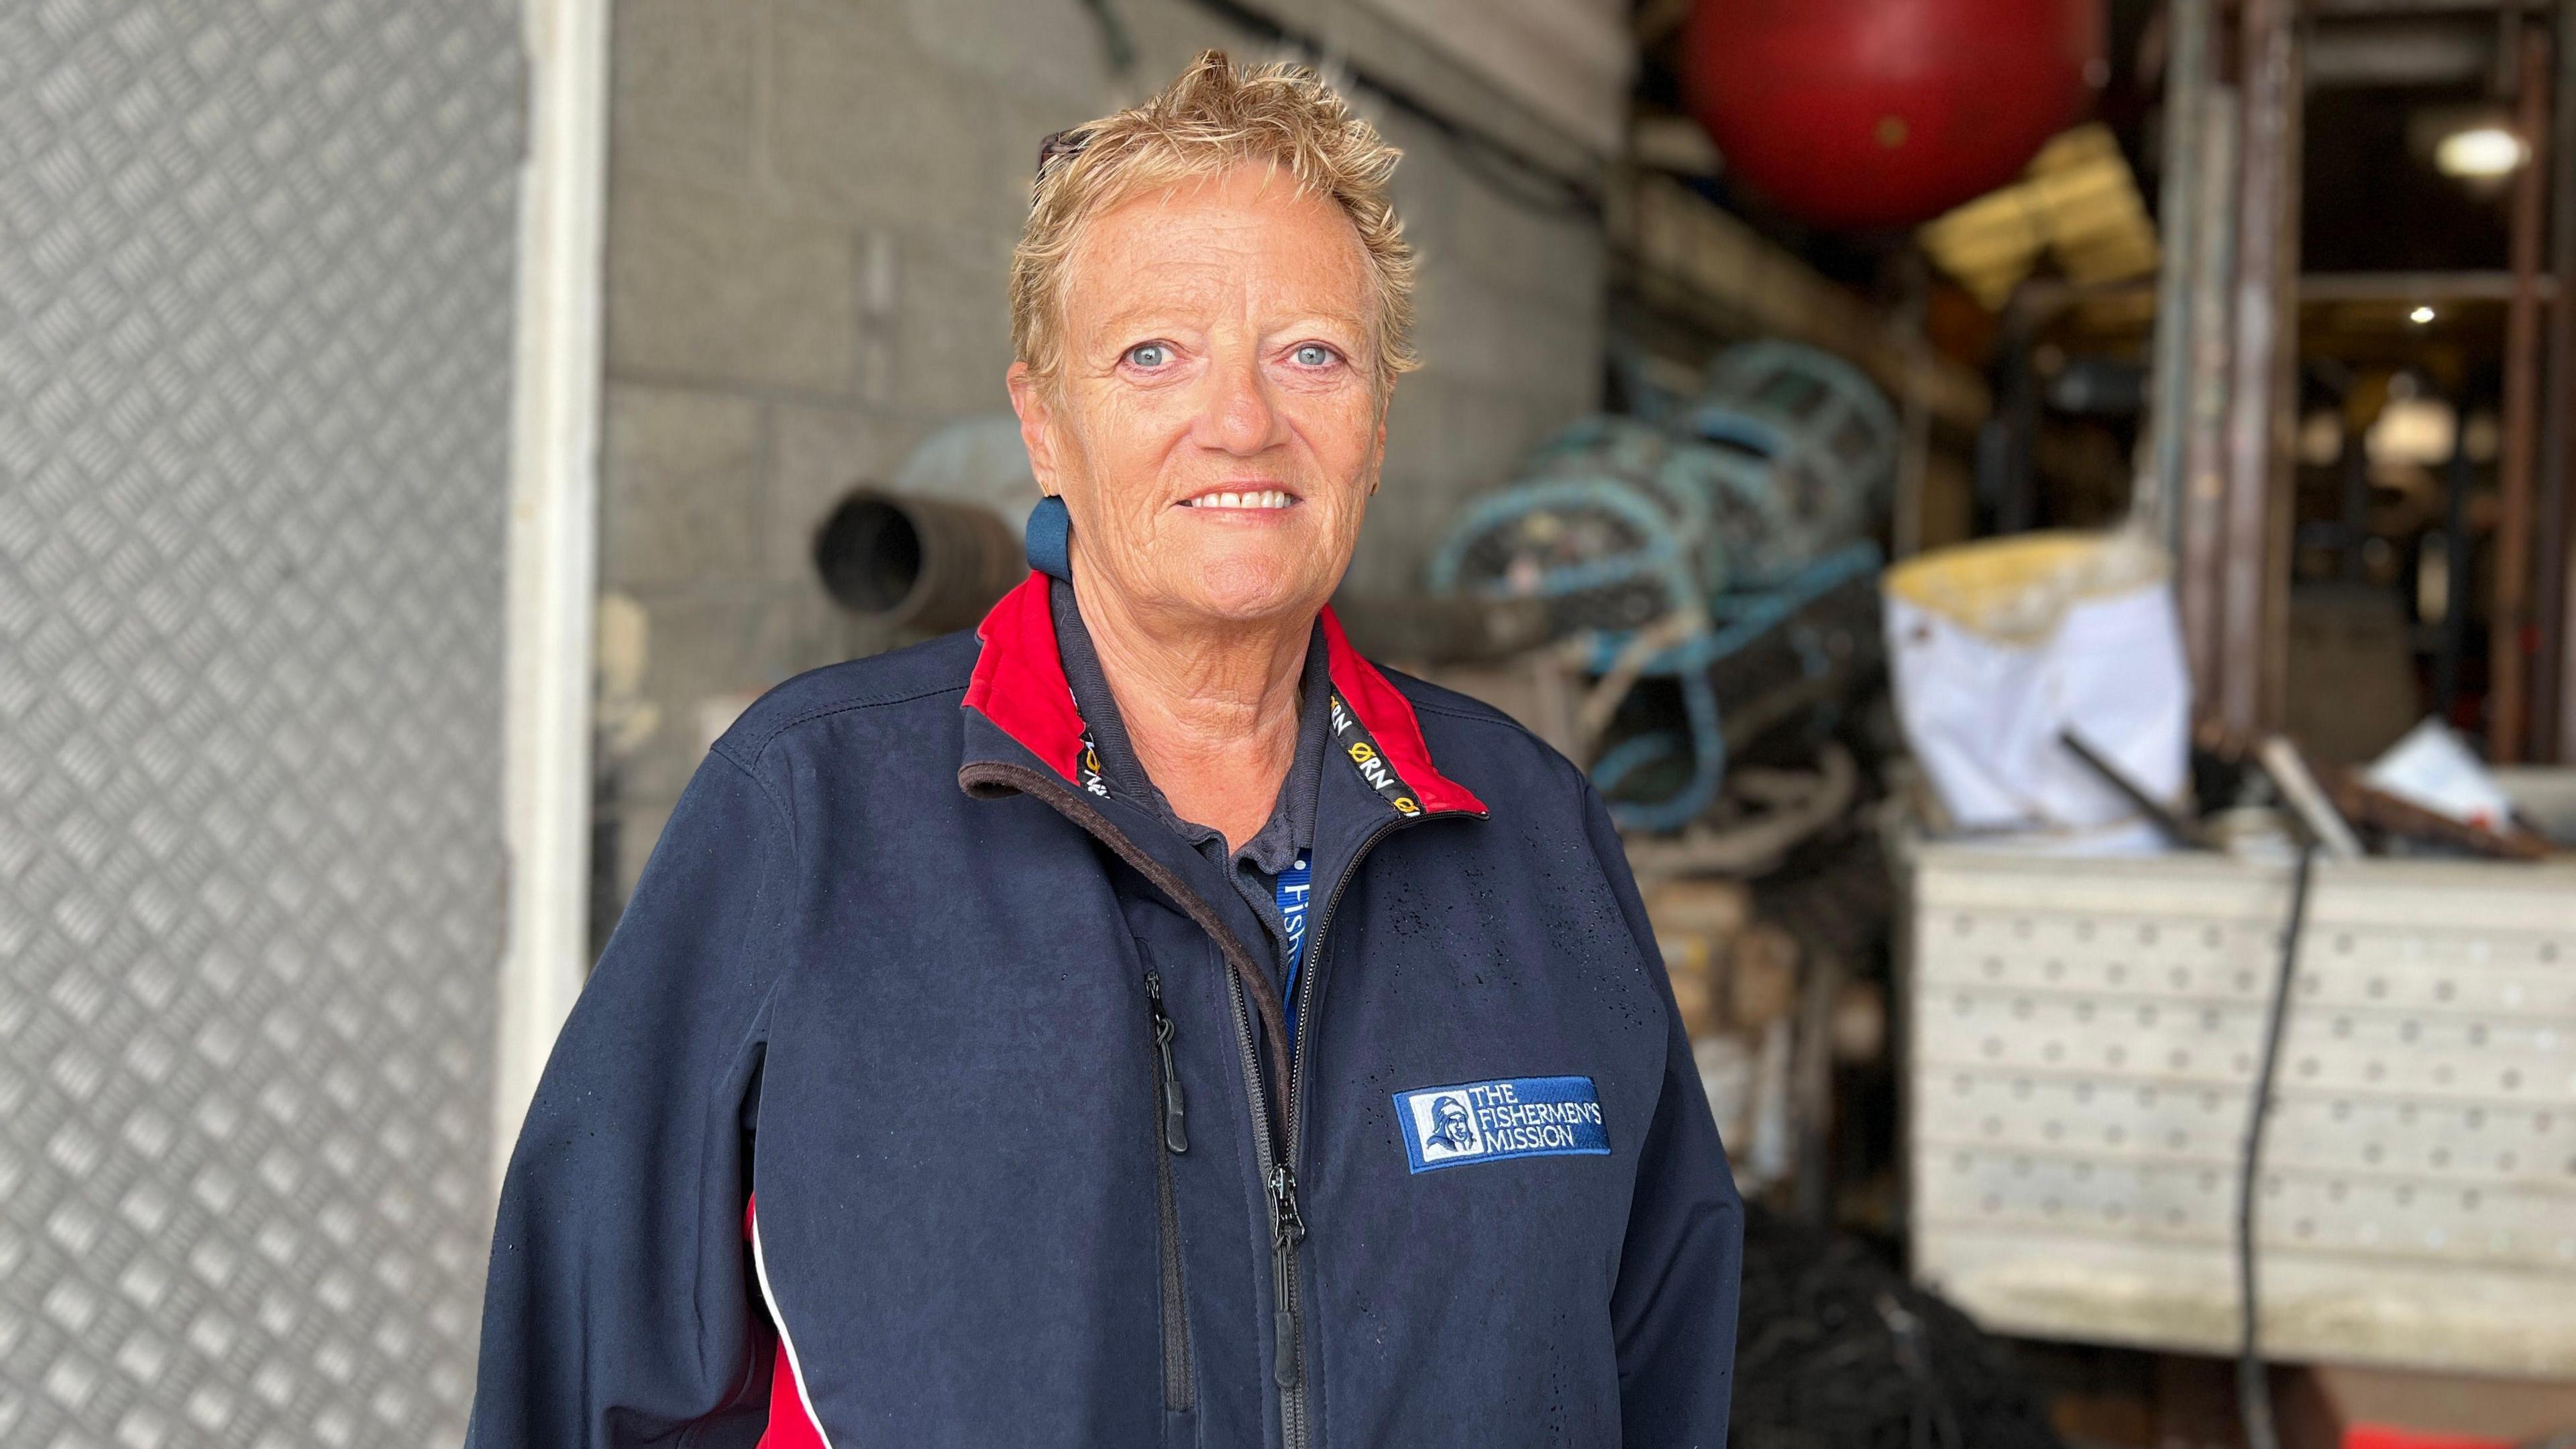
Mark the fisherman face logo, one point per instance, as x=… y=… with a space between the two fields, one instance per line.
x=1451 y=1131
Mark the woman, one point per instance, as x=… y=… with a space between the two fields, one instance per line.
x=1142 y=1021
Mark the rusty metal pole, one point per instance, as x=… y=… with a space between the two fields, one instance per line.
x=2204 y=495
x=2281 y=490
x=2509 y=617
x=2254 y=572
x=2158 y=505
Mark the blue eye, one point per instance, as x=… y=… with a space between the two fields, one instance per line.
x=1315 y=354
x=1149 y=354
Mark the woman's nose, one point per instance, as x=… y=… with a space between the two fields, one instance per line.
x=1239 y=416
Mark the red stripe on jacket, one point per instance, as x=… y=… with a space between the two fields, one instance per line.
x=791 y=1423
x=1019 y=684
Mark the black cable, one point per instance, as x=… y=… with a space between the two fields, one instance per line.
x=2253 y=1389
x=1557 y=192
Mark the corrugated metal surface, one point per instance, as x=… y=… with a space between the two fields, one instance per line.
x=2084 y=1036
x=255 y=290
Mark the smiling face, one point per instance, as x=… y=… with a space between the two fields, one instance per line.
x=1217 y=426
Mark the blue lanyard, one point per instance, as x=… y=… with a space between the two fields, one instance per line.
x=1291 y=888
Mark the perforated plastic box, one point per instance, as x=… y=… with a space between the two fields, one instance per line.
x=2082 y=1039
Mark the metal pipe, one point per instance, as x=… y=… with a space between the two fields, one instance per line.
x=2425 y=51
x=2553 y=716
x=2252 y=601
x=2158 y=504
x=2510 y=615
x=917 y=562
x=2272 y=655
x=2422 y=287
x=2204 y=494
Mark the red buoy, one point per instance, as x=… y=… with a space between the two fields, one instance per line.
x=1862 y=113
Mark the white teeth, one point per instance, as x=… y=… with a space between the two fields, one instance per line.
x=1267 y=498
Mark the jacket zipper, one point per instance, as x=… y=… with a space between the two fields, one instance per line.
x=1287 y=1223
x=1178 y=1391
x=1265 y=1157
x=1286 y=1230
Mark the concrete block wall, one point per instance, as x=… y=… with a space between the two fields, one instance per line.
x=811 y=210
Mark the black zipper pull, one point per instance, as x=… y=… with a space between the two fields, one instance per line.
x=1287 y=1231
x=1176 y=1132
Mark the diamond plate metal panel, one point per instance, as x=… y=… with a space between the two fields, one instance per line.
x=255 y=290
x=2084 y=1036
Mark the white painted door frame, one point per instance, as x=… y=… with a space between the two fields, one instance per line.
x=554 y=544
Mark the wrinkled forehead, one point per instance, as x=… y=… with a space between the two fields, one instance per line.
x=1250 y=233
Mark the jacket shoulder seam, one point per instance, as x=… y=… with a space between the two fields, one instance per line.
x=819 y=711
x=778 y=807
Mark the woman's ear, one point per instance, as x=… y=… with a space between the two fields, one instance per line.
x=1037 y=424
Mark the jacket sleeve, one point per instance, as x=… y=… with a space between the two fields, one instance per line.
x=620 y=1310
x=1674 y=1306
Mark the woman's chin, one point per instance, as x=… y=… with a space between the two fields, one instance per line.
x=1252 y=590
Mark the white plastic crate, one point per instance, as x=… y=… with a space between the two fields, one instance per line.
x=2082 y=1039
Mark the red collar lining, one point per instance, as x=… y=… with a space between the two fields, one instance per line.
x=1019 y=685
x=1388 y=717
x=1019 y=679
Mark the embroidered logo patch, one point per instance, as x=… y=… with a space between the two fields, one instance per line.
x=1490 y=1121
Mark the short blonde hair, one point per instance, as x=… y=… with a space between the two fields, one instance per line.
x=1215 y=116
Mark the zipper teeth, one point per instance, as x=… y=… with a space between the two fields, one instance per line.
x=1292 y=1418
x=1178 y=1390
x=1294 y=1430
x=1265 y=1152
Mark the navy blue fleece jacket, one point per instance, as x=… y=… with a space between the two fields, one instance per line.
x=928 y=1093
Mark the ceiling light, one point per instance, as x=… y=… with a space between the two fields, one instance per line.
x=2479 y=151
x=2411 y=430
x=2420 y=316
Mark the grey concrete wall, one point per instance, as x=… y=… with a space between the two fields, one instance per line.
x=811 y=210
